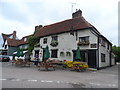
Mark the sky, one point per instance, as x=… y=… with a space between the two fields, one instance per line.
x=24 y=15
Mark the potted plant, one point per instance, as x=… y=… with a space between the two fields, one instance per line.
x=54 y=43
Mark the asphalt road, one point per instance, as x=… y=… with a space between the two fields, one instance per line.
x=29 y=77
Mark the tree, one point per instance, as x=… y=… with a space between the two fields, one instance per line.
x=31 y=42
x=116 y=51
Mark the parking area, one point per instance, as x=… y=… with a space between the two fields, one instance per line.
x=30 y=77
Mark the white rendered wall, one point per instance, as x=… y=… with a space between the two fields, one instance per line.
x=68 y=42
x=105 y=51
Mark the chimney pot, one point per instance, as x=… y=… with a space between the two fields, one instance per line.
x=14 y=34
x=78 y=13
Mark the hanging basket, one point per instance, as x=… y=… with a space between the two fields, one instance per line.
x=54 y=43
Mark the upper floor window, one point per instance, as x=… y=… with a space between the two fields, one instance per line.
x=25 y=39
x=45 y=40
x=83 y=40
x=26 y=46
x=55 y=38
x=103 y=42
x=108 y=46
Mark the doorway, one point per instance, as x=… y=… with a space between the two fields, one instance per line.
x=37 y=52
x=92 y=58
x=83 y=55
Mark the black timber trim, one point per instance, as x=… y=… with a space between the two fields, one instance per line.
x=100 y=35
x=98 y=54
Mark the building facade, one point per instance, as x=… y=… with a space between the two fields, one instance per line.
x=12 y=43
x=64 y=37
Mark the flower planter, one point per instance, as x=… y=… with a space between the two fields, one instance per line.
x=54 y=43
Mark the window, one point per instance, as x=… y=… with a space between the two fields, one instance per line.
x=103 y=43
x=26 y=46
x=55 y=38
x=45 y=40
x=20 y=46
x=54 y=53
x=25 y=39
x=5 y=46
x=108 y=46
x=83 y=40
x=93 y=45
x=102 y=57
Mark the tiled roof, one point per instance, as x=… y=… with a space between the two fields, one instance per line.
x=6 y=35
x=13 y=42
x=64 y=26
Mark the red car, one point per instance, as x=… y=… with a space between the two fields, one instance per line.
x=4 y=58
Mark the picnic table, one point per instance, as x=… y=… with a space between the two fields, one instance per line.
x=46 y=65
x=50 y=64
x=21 y=62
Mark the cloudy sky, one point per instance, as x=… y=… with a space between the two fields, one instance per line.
x=24 y=15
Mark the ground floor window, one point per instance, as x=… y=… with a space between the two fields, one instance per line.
x=102 y=57
x=54 y=53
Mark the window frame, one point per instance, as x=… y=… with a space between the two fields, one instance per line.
x=103 y=57
x=55 y=54
x=55 y=38
x=44 y=40
x=84 y=39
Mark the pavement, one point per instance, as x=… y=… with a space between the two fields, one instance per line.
x=14 y=76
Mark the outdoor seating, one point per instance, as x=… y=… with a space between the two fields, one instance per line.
x=21 y=62
x=46 y=65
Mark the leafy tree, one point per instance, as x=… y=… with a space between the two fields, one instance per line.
x=116 y=51
x=31 y=42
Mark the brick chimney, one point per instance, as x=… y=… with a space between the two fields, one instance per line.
x=78 y=13
x=38 y=27
x=14 y=34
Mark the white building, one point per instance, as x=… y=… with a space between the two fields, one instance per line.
x=64 y=37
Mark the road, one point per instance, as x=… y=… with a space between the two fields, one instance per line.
x=29 y=77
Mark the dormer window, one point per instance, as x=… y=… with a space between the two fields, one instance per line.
x=25 y=39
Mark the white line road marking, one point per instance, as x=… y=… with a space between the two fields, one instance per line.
x=42 y=81
x=3 y=79
x=58 y=81
x=49 y=81
x=113 y=85
x=33 y=80
x=15 y=80
x=98 y=84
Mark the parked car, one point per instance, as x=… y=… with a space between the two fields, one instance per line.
x=4 y=58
